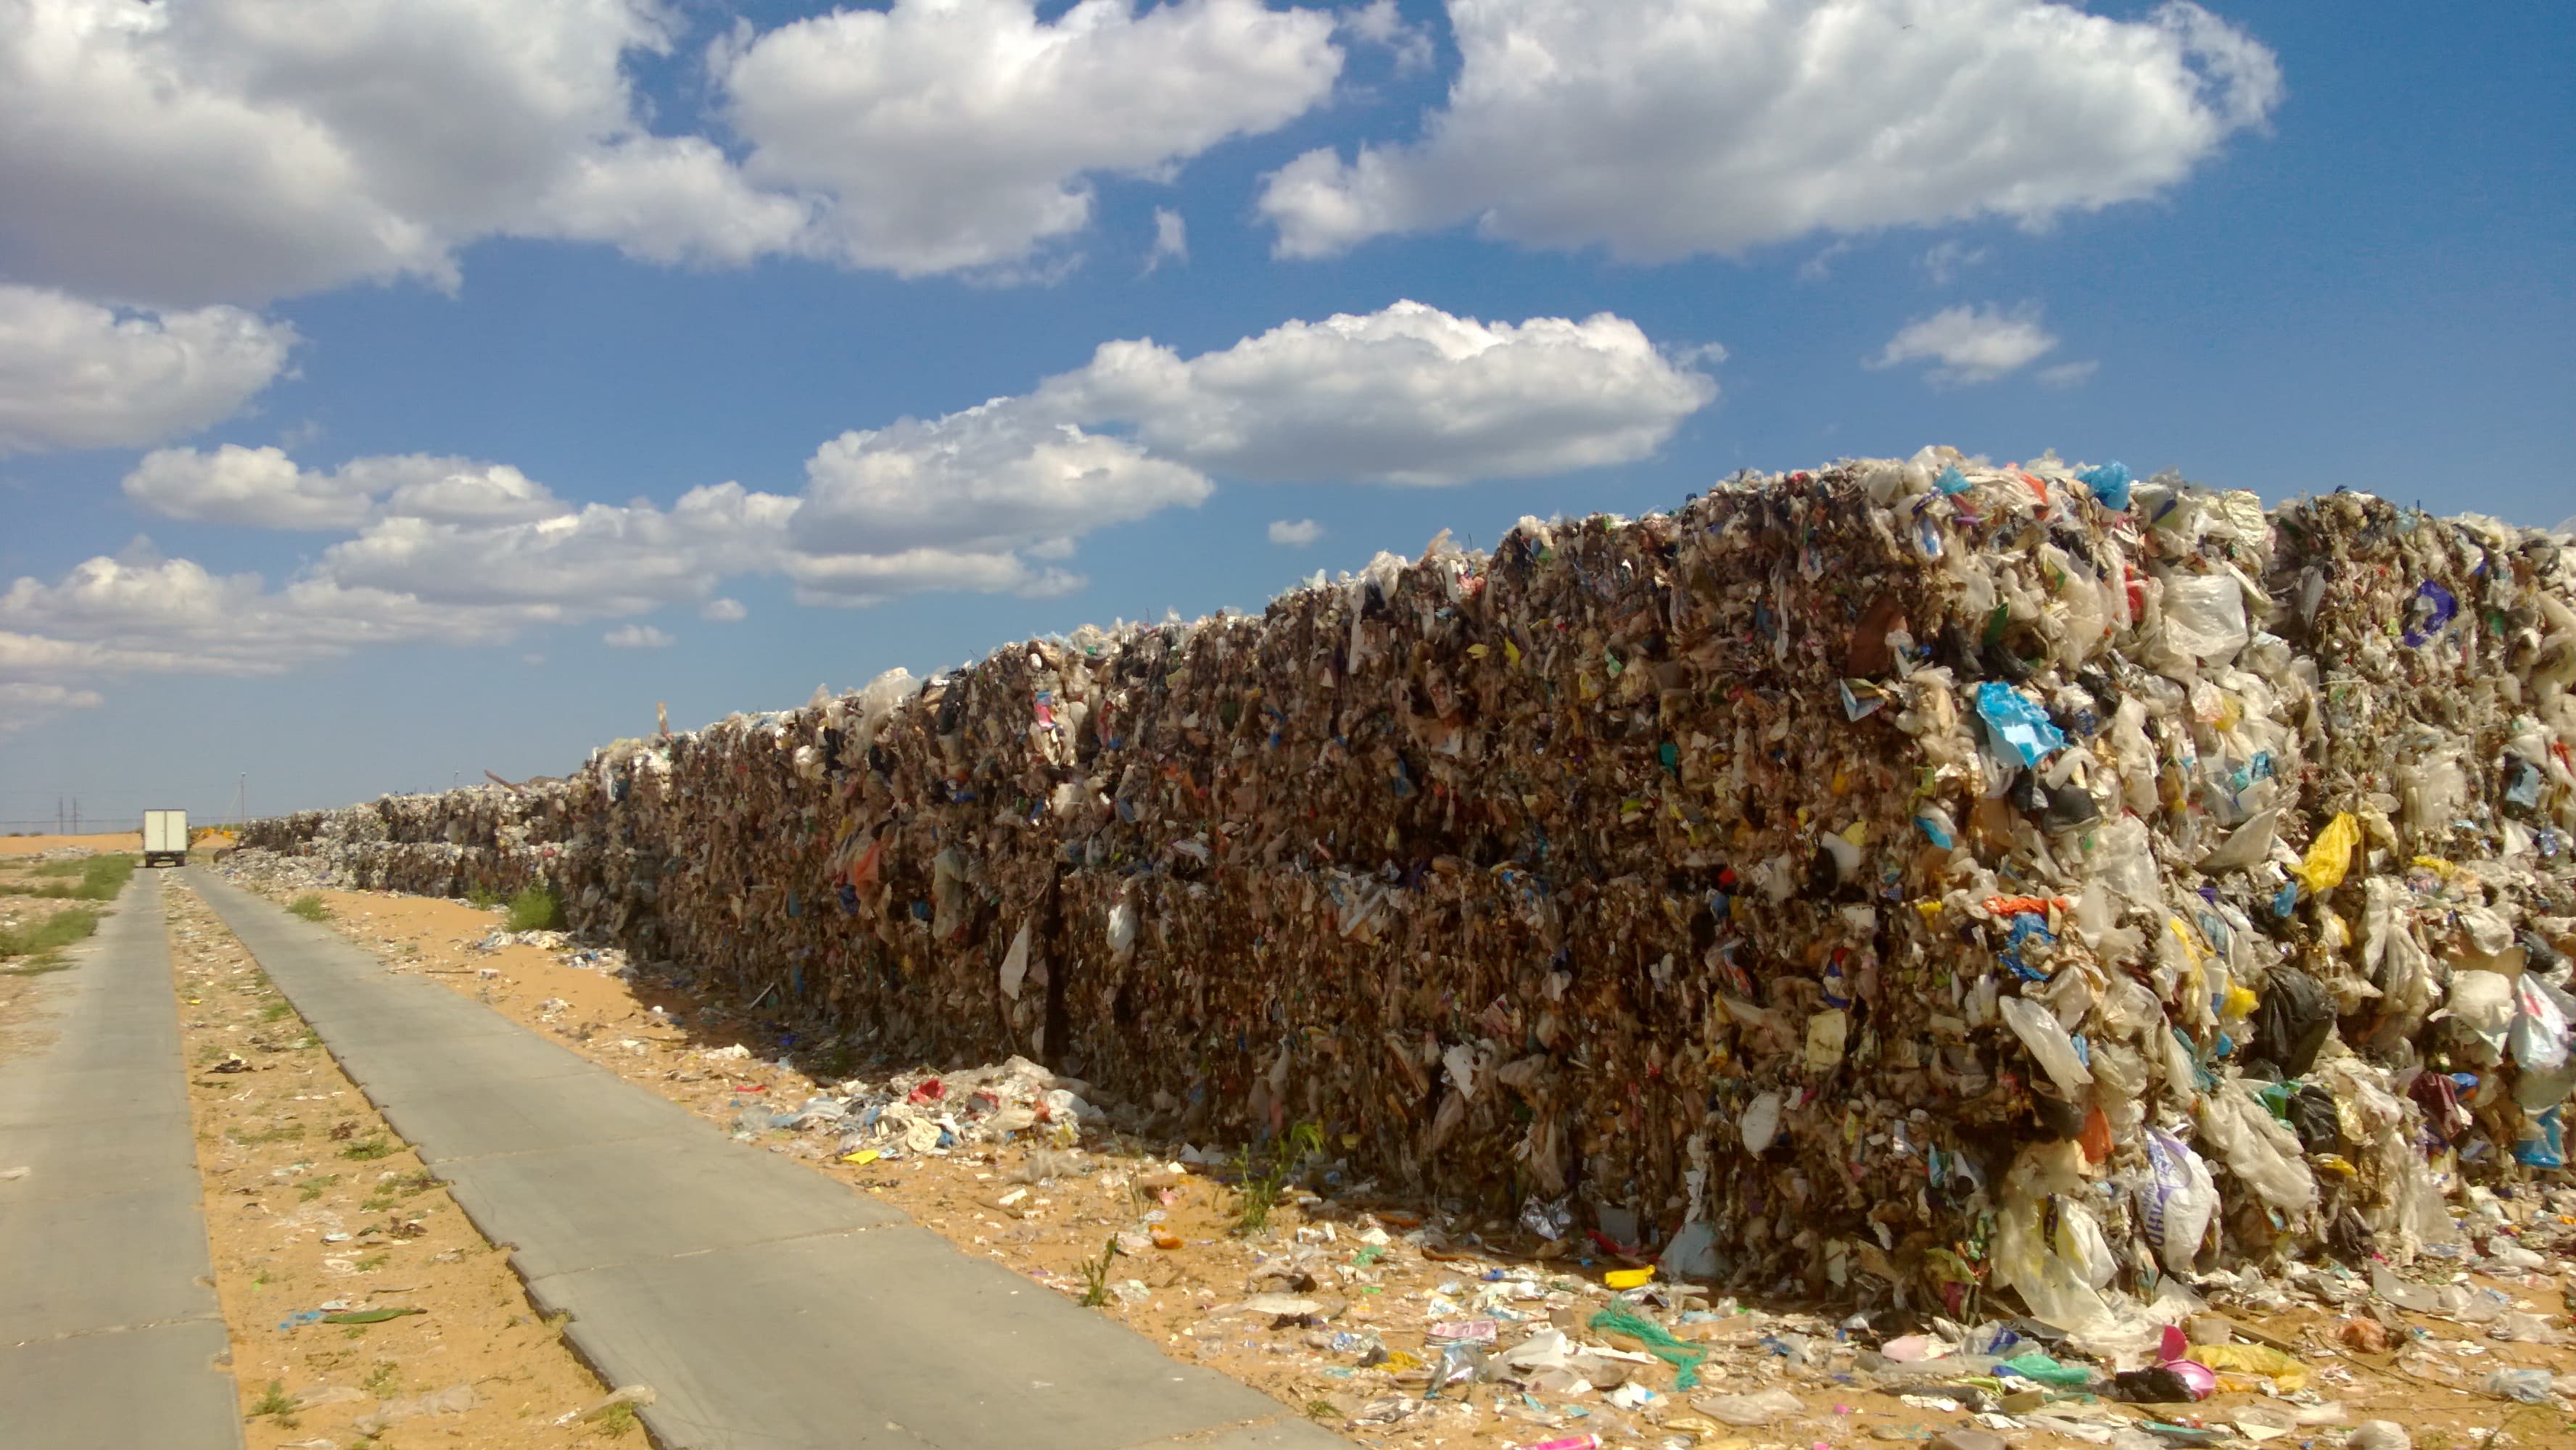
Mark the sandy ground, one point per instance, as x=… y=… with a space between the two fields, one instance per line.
x=109 y=841
x=314 y=1208
x=1382 y=1276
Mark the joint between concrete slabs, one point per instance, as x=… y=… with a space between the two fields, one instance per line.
x=204 y=1316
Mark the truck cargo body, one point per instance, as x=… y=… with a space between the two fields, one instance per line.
x=165 y=838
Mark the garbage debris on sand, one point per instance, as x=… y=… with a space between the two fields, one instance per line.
x=1936 y=889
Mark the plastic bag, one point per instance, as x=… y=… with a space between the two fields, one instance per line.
x=2542 y=1015
x=2205 y=616
x=1767 y=1408
x=2482 y=1003
x=2016 y=728
x=2259 y=1150
x=2176 y=1201
x=2330 y=854
x=2293 y=1020
x=2038 y=1029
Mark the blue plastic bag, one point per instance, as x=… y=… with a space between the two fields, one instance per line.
x=2014 y=721
x=2109 y=482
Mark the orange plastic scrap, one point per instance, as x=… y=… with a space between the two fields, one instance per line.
x=2030 y=905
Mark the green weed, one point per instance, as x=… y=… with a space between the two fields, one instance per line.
x=617 y=1420
x=101 y=877
x=309 y=906
x=1095 y=1276
x=383 y=1380
x=275 y=1402
x=1260 y=1180
x=314 y=1187
x=282 y=1133
x=536 y=909
x=370 y=1148
x=47 y=937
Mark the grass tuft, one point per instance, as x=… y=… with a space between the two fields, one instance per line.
x=47 y=937
x=309 y=906
x=536 y=909
x=371 y=1147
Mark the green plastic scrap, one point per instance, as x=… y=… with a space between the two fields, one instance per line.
x=2039 y=1367
x=369 y=1316
x=1684 y=1358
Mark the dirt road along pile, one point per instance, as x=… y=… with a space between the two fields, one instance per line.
x=1905 y=879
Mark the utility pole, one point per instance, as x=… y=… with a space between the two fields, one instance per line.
x=241 y=800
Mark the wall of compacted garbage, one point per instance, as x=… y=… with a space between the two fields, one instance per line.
x=1907 y=880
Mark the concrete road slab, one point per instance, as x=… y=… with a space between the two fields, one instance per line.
x=521 y=1115
x=74 y=1160
x=769 y=1307
x=109 y=1330
x=160 y=1388
x=892 y=1339
x=403 y=1066
x=592 y=1204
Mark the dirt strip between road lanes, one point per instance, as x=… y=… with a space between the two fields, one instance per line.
x=365 y=1310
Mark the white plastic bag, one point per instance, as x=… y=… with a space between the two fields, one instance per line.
x=2205 y=616
x=2260 y=1150
x=2038 y=1029
x=1767 y=1408
x=2542 y=1015
x=2176 y=1201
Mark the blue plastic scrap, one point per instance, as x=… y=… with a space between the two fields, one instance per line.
x=2433 y=608
x=2014 y=721
x=2109 y=482
x=1951 y=480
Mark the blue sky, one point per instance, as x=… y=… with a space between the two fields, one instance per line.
x=373 y=313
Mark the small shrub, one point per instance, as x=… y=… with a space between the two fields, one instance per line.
x=483 y=898
x=309 y=906
x=536 y=909
x=1260 y=1181
x=371 y=1147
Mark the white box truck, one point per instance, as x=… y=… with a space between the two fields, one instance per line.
x=165 y=838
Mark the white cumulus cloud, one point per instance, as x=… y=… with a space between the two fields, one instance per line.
x=1171 y=239
x=1378 y=24
x=77 y=375
x=637 y=636
x=1001 y=475
x=1295 y=535
x=1944 y=261
x=236 y=150
x=724 y=611
x=1668 y=128
x=264 y=488
x=1406 y=395
x=938 y=135
x=1968 y=344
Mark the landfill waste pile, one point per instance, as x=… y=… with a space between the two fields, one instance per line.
x=1418 y=1326
x=1922 y=884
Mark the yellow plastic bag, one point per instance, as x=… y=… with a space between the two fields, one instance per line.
x=2255 y=1359
x=2330 y=854
x=1628 y=1278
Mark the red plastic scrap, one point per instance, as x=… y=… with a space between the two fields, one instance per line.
x=930 y=1091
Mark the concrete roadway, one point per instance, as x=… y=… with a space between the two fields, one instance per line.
x=109 y=1330
x=769 y=1307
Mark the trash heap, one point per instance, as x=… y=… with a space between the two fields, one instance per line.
x=1905 y=881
